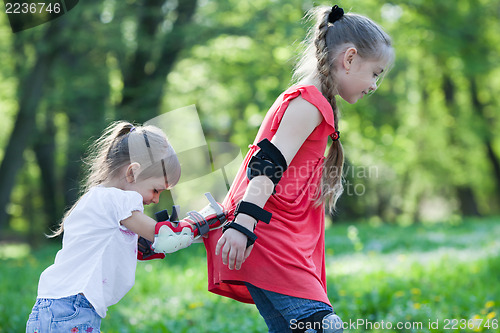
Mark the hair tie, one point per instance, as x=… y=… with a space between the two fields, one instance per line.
x=132 y=129
x=335 y=14
x=335 y=135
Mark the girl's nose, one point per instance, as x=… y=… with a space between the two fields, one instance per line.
x=156 y=198
x=373 y=87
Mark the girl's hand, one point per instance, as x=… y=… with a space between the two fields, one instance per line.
x=234 y=248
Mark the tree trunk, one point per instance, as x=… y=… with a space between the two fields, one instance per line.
x=465 y=194
x=468 y=204
x=86 y=115
x=31 y=92
x=143 y=87
x=45 y=155
x=490 y=152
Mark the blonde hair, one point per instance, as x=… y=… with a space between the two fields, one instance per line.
x=325 y=41
x=121 y=144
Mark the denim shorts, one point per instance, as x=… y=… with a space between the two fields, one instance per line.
x=69 y=314
x=281 y=311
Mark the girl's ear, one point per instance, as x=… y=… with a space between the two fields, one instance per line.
x=349 y=56
x=132 y=172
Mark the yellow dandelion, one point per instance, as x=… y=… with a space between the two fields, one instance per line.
x=417 y=305
x=489 y=304
x=195 y=305
x=416 y=291
x=491 y=315
x=476 y=322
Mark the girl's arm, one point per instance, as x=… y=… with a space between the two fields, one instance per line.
x=141 y=224
x=299 y=120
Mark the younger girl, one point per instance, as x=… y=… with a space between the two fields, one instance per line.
x=95 y=268
x=285 y=179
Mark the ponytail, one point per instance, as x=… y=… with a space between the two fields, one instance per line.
x=331 y=182
x=96 y=161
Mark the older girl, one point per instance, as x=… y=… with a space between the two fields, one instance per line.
x=285 y=179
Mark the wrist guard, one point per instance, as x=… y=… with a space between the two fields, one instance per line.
x=145 y=252
x=251 y=237
x=252 y=210
x=209 y=218
x=172 y=236
x=144 y=247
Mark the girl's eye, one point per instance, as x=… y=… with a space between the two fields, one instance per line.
x=155 y=190
x=375 y=74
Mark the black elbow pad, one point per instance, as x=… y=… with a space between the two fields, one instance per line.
x=269 y=162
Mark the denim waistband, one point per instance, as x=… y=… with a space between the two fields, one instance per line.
x=82 y=301
x=78 y=299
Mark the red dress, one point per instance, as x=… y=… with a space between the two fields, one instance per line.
x=289 y=254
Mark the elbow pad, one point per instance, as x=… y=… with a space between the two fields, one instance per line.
x=269 y=162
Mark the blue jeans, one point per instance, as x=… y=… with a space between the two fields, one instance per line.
x=69 y=314
x=282 y=311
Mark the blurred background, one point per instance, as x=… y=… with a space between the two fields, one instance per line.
x=422 y=149
x=421 y=153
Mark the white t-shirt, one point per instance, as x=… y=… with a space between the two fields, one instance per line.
x=99 y=255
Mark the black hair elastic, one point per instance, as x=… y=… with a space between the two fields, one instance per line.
x=335 y=135
x=336 y=14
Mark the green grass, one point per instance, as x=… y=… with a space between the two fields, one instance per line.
x=415 y=275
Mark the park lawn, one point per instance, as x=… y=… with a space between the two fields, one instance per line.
x=423 y=278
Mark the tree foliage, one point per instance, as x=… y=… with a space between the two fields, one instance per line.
x=423 y=148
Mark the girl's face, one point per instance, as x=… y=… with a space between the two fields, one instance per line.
x=357 y=76
x=149 y=188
